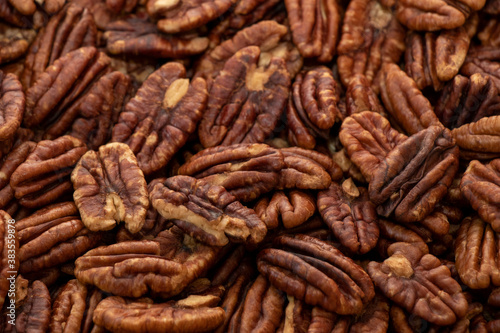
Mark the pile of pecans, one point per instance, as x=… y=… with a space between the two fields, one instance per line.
x=249 y=165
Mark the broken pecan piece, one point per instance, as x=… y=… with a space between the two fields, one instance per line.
x=189 y=315
x=351 y=216
x=415 y=175
x=480 y=139
x=477 y=254
x=315 y=27
x=419 y=283
x=45 y=174
x=317 y=273
x=205 y=211
x=157 y=122
x=110 y=188
x=292 y=208
x=481 y=186
x=245 y=101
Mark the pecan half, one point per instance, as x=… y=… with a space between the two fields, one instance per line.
x=371 y=36
x=109 y=188
x=466 y=100
x=245 y=101
x=419 y=283
x=69 y=308
x=184 y=15
x=28 y=7
x=246 y=170
x=292 y=208
x=205 y=211
x=163 y=267
x=12 y=104
x=368 y=138
x=481 y=186
x=315 y=27
x=477 y=254
x=317 y=273
x=415 y=175
x=70 y=29
x=189 y=315
x=52 y=236
x=157 y=122
x=351 y=216
x=360 y=97
x=9 y=246
x=312 y=107
x=45 y=174
x=136 y=36
x=480 y=139
x=404 y=101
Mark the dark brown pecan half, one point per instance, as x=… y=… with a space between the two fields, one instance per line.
x=435 y=57
x=136 y=36
x=70 y=29
x=62 y=85
x=12 y=104
x=485 y=67
x=45 y=174
x=415 y=175
x=157 y=122
x=317 y=273
x=245 y=101
x=261 y=307
x=404 y=101
x=20 y=136
x=312 y=107
x=481 y=186
x=109 y=188
x=14 y=42
x=477 y=254
x=489 y=35
x=184 y=15
x=69 y=308
x=9 y=247
x=419 y=283
x=163 y=267
x=315 y=27
x=434 y=15
x=292 y=208
x=351 y=216
x=269 y=36
x=466 y=100
x=52 y=236
x=480 y=139
x=117 y=6
x=307 y=170
x=246 y=170
x=189 y=315
x=34 y=315
x=371 y=36
x=360 y=97
x=205 y=211
x=368 y=138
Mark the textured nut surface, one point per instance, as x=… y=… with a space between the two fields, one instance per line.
x=480 y=139
x=483 y=66
x=477 y=253
x=110 y=188
x=360 y=97
x=9 y=245
x=68 y=308
x=12 y=104
x=205 y=211
x=157 y=122
x=315 y=27
x=189 y=315
x=45 y=174
x=162 y=267
x=317 y=273
x=246 y=170
x=419 y=283
x=245 y=101
x=351 y=216
x=415 y=175
x=481 y=186
x=14 y=42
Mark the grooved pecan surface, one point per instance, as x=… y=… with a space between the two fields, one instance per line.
x=245 y=101
x=317 y=273
x=157 y=122
x=205 y=211
x=45 y=174
x=480 y=139
x=9 y=246
x=69 y=308
x=110 y=188
x=14 y=42
x=12 y=104
x=360 y=97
